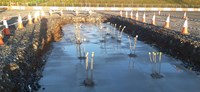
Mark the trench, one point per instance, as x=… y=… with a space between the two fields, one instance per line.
x=114 y=70
x=58 y=64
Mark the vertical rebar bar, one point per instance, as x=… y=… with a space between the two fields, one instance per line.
x=130 y=45
x=122 y=31
x=135 y=41
x=160 y=58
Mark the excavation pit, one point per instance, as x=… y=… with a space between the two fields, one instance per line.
x=62 y=69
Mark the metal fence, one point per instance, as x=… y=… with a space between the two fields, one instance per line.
x=96 y=4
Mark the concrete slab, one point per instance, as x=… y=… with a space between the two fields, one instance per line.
x=113 y=70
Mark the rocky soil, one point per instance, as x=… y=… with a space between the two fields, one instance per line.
x=22 y=55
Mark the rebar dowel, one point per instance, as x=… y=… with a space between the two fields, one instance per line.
x=79 y=48
x=92 y=61
x=91 y=75
x=86 y=61
x=154 y=61
x=115 y=30
x=135 y=41
x=130 y=45
x=122 y=31
x=160 y=58
x=119 y=32
x=150 y=57
x=119 y=29
x=86 y=64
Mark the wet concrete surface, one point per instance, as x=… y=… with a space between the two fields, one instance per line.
x=114 y=70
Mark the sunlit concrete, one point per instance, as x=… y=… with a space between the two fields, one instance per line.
x=113 y=71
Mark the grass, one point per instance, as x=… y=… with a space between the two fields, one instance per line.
x=181 y=3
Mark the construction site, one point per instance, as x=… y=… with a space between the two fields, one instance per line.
x=99 y=46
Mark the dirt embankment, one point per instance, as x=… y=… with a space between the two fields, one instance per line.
x=22 y=56
x=185 y=47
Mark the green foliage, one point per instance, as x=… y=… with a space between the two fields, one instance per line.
x=104 y=2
